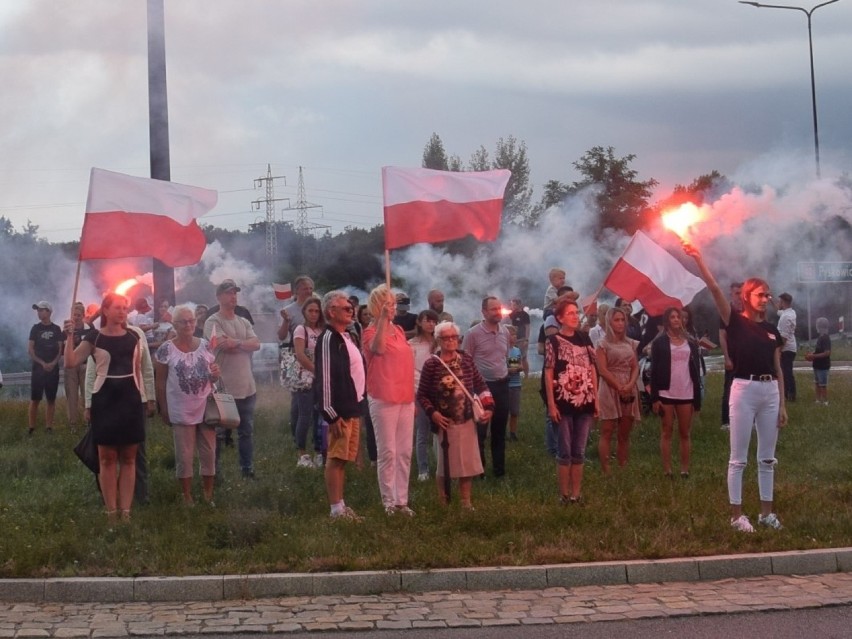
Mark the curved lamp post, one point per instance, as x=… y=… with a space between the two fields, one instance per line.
x=808 y=13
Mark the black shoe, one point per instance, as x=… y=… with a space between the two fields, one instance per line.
x=513 y=437
x=248 y=474
x=30 y=431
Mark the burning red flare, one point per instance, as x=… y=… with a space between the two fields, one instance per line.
x=126 y=285
x=505 y=312
x=681 y=219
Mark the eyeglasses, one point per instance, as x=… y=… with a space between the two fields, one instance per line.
x=449 y=337
x=185 y=322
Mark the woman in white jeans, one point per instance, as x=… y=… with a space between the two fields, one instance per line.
x=390 y=387
x=757 y=392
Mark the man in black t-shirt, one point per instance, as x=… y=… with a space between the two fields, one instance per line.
x=44 y=348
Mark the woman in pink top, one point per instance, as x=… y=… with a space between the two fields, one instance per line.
x=390 y=387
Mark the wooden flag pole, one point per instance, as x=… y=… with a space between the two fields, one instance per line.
x=387 y=268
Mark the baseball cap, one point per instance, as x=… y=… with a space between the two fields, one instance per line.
x=402 y=299
x=227 y=285
x=43 y=304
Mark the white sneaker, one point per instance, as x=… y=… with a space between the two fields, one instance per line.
x=770 y=521
x=318 y=461
x=423 y=477
x=742 y=524
x=305 y=462
x=726 y=427
x=405 y=510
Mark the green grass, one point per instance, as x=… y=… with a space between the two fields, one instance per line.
x=52 y=521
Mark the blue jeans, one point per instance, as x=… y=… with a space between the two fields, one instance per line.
x=245 y=435
x=422 y=437
x=573 y=433
x=550 y=443
x=306 y=420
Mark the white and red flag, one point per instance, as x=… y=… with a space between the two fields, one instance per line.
x=130 y=216
x=423 y=205
x=650 y=274
x=282 y=291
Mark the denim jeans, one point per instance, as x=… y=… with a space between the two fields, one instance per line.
x=423 y=437
x=245 y=435
x=572 y=436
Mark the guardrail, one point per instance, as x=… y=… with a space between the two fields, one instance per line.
x=16 y=385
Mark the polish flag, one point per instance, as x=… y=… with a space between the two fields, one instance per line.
x=650 y=274
x=423 y=205
x=282 y=291
x=139 y=217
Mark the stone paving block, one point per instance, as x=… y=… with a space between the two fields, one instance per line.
x=574 y=575
x=806 y=562
x=80 y=589
x=355 y=583
x=21 y=589
x=733 y=566
x=662 y=570
x=202 y=588
x=431 y=580
x=506 y=578
x=271 y=585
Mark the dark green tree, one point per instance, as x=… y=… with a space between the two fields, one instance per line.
x=434 y=155
x=512 y=154
x=621 y=199
x=479 y=160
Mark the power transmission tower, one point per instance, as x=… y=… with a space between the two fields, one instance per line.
x=303 y=228
x=270 y=199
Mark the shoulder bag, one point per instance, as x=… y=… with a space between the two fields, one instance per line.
x=478 y=408
x=221 y=409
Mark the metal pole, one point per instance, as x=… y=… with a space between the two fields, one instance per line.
x=808 y=13
x=158 y=132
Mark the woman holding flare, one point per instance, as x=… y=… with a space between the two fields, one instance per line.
x=122 y=368
x=757 y=391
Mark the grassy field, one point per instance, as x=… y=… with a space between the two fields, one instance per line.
x=52 y=521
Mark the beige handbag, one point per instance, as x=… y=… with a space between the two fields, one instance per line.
x=221 y=410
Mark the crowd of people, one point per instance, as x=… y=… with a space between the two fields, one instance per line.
x=420 y=386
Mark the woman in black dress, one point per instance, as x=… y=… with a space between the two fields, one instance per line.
x=117 y=411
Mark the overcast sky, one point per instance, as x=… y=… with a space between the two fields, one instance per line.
x=345 y=87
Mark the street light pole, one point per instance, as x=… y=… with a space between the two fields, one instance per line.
x=808 y=13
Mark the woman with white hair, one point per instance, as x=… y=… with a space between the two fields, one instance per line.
x=449 y=408
x=185 y=372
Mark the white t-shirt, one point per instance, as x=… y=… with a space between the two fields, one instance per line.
x=188 y=383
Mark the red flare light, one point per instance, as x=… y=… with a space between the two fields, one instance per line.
x=681 y=219
x=125 y=286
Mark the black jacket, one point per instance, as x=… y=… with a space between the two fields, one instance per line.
x=661 y=368
x=334 y=390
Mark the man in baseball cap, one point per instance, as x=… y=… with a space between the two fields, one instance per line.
x=44 y=348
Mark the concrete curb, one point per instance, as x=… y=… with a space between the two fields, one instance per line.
x=231 y=587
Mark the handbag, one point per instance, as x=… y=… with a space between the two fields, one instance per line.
x=87 y=451
x=475 y=401
x=294 y=377
x=221 y=410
